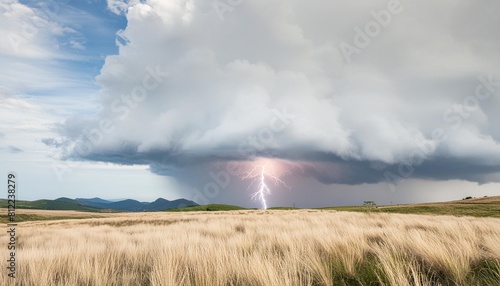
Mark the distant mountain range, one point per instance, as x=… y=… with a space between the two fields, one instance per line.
x=98 y=204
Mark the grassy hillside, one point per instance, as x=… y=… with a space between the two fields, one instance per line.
x=34 y=217
x=50 y=205
x=23 y=215
x=100 y=205
x=479 y=207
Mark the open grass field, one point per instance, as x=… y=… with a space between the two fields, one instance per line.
x=252 y=247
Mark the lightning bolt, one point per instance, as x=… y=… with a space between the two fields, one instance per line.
x=259 y=174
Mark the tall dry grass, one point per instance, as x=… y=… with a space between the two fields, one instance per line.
x=259 y=248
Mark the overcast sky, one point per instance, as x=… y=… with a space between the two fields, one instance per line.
x=335 y=102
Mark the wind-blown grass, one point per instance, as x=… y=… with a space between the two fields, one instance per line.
x=259 y=248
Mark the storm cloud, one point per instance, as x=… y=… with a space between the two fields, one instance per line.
x=352 y=92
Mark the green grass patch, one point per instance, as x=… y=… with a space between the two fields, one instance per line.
x=50 y=205
x=455 y=209
x=283 y=208
x=486 y=272
x=209 y=208
x=34 y=217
